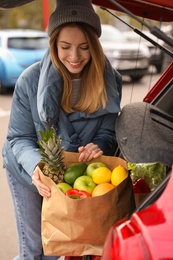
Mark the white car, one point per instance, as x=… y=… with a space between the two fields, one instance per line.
x=124 y=55
x=157 y=54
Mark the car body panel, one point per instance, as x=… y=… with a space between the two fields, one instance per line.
x=148 y=235
x=161 y=91
x=27 y=57
x=142 y=8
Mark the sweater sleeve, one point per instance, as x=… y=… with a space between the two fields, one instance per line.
x=21 y=131
x=105 y=137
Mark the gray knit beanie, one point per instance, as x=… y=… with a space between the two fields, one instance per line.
x=74 y=11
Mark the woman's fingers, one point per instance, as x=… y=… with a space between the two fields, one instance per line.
x=89 y=152
x=41 y=187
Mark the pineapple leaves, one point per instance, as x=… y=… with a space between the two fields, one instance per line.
x=52 y=154
x=49 y=133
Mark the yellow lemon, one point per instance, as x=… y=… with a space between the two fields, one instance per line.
x=101 y=174
x=102 y=188
x=119 y=173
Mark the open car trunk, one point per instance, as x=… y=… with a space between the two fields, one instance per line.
x=163 y=9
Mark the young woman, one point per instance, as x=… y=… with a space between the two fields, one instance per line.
x=74 y=89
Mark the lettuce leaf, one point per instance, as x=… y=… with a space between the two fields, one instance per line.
x=152 y=173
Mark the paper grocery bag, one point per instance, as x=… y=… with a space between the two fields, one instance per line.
x=79 y=227
x=139 y=198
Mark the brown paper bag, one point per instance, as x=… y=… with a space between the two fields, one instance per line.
x=79 y=227
x=139 y=198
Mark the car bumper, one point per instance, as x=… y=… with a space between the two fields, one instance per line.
x=131 y=68
x=133 y=72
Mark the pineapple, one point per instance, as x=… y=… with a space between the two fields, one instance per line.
x=52 y=155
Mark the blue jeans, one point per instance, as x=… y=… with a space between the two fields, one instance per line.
x=27 y=207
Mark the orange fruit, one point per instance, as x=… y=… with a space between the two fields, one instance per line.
x=119 y=173
x=101 y=175
x=102 y=188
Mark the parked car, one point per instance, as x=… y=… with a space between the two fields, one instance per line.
x=156 y=54
x=144 y=133
x=147 y=235
x=18 y=50
x=126 y=57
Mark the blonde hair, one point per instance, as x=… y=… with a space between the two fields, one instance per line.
x=93 y=93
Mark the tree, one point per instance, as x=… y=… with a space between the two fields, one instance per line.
x=28 y=16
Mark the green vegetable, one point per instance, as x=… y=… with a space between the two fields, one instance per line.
x=74 y=172
x=152 y=173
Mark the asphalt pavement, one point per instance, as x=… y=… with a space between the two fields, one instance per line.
x=8 y=238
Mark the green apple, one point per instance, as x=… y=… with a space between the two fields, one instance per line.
x=84 y=183
x=64 y=186
x=92 y=166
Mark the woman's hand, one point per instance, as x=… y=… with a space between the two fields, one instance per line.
x=88 y=152
x=41 y=187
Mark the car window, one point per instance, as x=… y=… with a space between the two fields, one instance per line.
x=111 y=34
x=165 y=94
x=28 y=43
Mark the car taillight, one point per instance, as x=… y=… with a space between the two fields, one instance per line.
x=125 y=242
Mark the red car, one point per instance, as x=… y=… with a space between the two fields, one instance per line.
x=148 y=235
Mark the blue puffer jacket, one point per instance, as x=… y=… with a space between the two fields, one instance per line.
x=36 y=105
